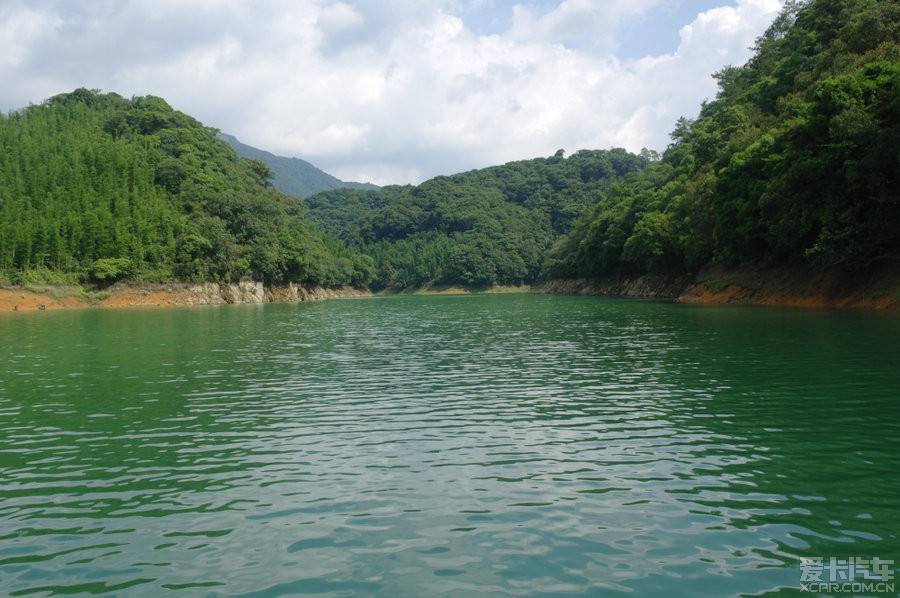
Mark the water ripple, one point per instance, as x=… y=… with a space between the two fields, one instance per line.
x=515 y=445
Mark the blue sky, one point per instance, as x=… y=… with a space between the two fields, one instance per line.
x=392 y=91
x=653 y=32
x=656 y=32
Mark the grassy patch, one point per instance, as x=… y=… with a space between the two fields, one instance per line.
x=44 y=277
x=64 y=292
x=93 y=296
x=35 y=288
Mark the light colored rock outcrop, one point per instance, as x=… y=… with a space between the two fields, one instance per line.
x=256 y=292
x=166 y=294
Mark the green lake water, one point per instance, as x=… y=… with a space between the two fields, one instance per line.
x=485 y=445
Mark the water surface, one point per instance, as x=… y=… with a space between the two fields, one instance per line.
x=505 y=445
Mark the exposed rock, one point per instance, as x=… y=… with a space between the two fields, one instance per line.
x=649 y=285
x=170 y=294
x=874 y=288
x=257 y=292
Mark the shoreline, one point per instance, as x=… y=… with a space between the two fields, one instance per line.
x=877 y=289
x=162 y=295
x=460 y=290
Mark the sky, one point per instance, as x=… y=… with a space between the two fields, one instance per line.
x=392 y=91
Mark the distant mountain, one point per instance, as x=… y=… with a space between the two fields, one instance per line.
x=293 y=176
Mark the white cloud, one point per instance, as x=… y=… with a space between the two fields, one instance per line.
x=382 y=90
x=19 y=31
x=677 y=83
x=579 y=23
x=338 y=17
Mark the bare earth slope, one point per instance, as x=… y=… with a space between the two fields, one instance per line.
x=878 y=288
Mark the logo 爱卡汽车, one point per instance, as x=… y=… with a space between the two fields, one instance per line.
x=852 y=575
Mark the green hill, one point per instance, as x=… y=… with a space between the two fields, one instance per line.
x=479 y=228
x=795 y=163
x=293 y=176
x=98 y=187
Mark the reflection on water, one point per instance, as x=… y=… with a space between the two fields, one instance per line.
x=476 y=445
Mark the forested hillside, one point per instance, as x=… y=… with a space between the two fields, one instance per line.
x=796 y=161
x=293 y=176
x=484 y=227
x=98 y=187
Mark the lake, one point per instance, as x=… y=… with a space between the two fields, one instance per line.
x=477 y=445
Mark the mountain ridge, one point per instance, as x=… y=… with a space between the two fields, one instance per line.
x=293 y=176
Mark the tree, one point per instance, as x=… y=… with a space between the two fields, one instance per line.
x=794 y=161
x=105 y=188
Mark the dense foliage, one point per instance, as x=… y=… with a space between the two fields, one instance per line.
x=293 y=176
x=95 y=186
x=796 y=160
x=484 y=227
